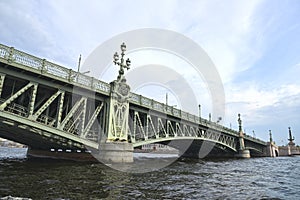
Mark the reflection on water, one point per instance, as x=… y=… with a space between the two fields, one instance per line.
x=256 y=178
x=154 y=155
x=12 y=153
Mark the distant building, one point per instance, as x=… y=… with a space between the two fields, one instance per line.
x=158 y=148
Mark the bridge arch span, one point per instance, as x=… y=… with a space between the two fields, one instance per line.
x=195 y=144
x=255 y=152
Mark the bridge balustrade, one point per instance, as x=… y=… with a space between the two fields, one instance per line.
x=45 y=67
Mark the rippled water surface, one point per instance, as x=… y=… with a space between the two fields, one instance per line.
x=255 y=178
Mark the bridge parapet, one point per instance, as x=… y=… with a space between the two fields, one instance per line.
x=253 y=139
x=37 y=65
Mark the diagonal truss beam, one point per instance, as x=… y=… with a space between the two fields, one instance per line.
x=45 y=105
x=160 y=127
x=92 y=120
x=32 y=100
x=150 y=126
x=60 y=108
x=170 y=128
x=16 y=95
x=138 y=124
x=178 y=129
x=2 y=77
x=72 y=112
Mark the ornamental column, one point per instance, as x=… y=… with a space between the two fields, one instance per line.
x=242 y=151
x=116 y=148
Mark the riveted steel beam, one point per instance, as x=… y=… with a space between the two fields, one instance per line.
x=170 y=128
x=150 y=126
x=14 y=96
x=83 y=116
x=45 y=105
x=32 y=100
x=161 y=127
x=60 y=108
x=92 y=120
x=138 y=124
x=2 y=77
x=71 y=113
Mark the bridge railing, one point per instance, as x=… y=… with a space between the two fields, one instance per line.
x=42 y=66
x=248 y=137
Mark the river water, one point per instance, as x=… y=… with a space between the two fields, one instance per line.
x=255 y=178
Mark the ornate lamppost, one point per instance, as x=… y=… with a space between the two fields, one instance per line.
x=199 y=107
x=270 y=134
x=119 y=100
x=121 y=63
x=117 y=147
x=291 y=139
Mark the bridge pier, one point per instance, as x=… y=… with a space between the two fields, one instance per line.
x=117 y=149
x=243 y=152
x=115 y=153
x=271 y=148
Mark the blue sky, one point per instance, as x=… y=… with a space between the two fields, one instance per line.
x=255 y=46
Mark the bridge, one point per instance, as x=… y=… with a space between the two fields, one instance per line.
x=54 y=109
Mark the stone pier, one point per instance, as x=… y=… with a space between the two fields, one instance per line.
x=272 y=149
x=115 y=153
x=243 y=154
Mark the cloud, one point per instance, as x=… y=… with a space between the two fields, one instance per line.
x=26 y=27
x=21 y=25
x=226 y=31
x=64 y=29
x=262 y=108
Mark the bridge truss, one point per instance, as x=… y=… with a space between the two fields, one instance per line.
x=147 y=128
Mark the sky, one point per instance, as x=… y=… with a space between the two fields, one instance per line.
x=254 y=45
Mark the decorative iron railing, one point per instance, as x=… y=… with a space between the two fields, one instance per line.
x=45 y=67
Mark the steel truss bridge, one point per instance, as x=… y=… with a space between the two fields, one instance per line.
x=47 y=106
